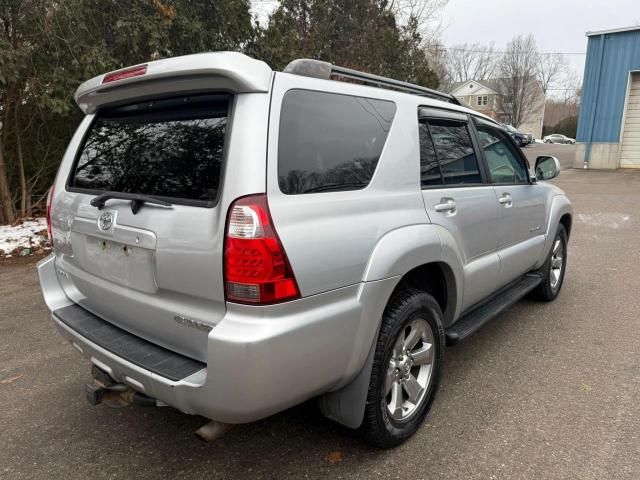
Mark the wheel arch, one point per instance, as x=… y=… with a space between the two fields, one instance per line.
x=561 y=212
x=566 y=221
x=419 y=256
x=438 y=280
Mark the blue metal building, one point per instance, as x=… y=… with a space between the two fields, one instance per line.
x=609 y=122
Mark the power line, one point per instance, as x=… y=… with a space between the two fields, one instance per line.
x=503 y=52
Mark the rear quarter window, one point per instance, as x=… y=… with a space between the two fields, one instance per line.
x=330 y=142
x=169 y=148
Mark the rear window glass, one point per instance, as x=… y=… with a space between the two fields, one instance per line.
x=330 y=142
x=166 y=148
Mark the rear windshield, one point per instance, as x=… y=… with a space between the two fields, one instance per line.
x=330 y=142
x=165 y=148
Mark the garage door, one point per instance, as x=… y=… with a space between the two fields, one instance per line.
x=630 y=148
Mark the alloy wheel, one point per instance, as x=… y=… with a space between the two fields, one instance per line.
x=557 y=255
x=410 y=370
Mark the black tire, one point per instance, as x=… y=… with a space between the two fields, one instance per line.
x=378 y=428
x=548 y=141
x=546 y=291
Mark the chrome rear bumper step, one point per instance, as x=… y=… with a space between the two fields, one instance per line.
x=130 y=347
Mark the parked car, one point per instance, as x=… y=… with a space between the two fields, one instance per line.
x=558 y=138
x=522 y=139
x=232 y=241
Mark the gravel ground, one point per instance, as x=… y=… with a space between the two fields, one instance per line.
x=543 y=391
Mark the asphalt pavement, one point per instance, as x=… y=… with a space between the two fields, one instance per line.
x=564 y=153
x=548 y=391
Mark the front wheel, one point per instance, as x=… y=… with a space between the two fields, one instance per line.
x=406 y=368
x=553 y=269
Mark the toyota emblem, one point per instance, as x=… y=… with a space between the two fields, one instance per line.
x=105 y=221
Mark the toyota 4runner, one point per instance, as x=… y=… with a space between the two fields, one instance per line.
x=232 y=241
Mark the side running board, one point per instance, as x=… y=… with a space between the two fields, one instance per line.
x=490 y=307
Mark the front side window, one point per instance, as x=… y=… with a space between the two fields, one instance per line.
x=503 y=161
x=166 y=148
x=330 y=142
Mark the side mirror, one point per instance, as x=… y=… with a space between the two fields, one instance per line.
x=547 y=167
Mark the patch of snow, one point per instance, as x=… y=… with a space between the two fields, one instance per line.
x=24 y=238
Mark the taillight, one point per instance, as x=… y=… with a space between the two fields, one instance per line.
x=49 y=200
x=255 y=264
x=126 y=73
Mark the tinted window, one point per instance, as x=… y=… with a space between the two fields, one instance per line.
x=429 y=167
x=455 y=152
x=330 y=142
x=168 y=148
x=504 y=163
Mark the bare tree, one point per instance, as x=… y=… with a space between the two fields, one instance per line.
x=564 y=101
x=427 y=14
x=550 y=69
x=520 y=90
x=571 y=88
x=426 y=17
x=437 y=57
x=470 y=61
x=557 y=110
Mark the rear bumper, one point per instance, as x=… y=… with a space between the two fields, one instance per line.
x=260 y=360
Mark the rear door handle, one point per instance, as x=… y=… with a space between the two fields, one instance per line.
x=447 y=206
x=506 y=200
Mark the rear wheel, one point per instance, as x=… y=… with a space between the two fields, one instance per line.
x=406 y=368
x=553 y=269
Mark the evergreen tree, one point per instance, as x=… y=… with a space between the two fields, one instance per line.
x=48 y=47
x=359 y=34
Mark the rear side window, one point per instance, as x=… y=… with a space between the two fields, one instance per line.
x=429 y=166
x=330 y=142
x=447 y=155
x=167 y=148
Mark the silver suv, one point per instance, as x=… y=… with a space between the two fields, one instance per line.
x=232 y=241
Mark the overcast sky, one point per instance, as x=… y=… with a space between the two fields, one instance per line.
x=558 y=25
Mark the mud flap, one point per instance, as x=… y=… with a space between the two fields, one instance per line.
x=346 y=406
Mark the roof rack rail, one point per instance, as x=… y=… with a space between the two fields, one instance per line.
x=325 y=70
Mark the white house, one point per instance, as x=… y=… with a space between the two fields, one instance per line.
x=485 y=96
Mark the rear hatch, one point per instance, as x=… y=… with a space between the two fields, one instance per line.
x=139 y=206
x=151 y=268
x=154 y=265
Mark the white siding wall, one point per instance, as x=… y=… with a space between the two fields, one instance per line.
x=630 y=147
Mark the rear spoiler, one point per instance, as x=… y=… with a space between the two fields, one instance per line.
x=226 y=71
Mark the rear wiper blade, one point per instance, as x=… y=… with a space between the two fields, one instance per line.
x=335 y=187
x=137 y=200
